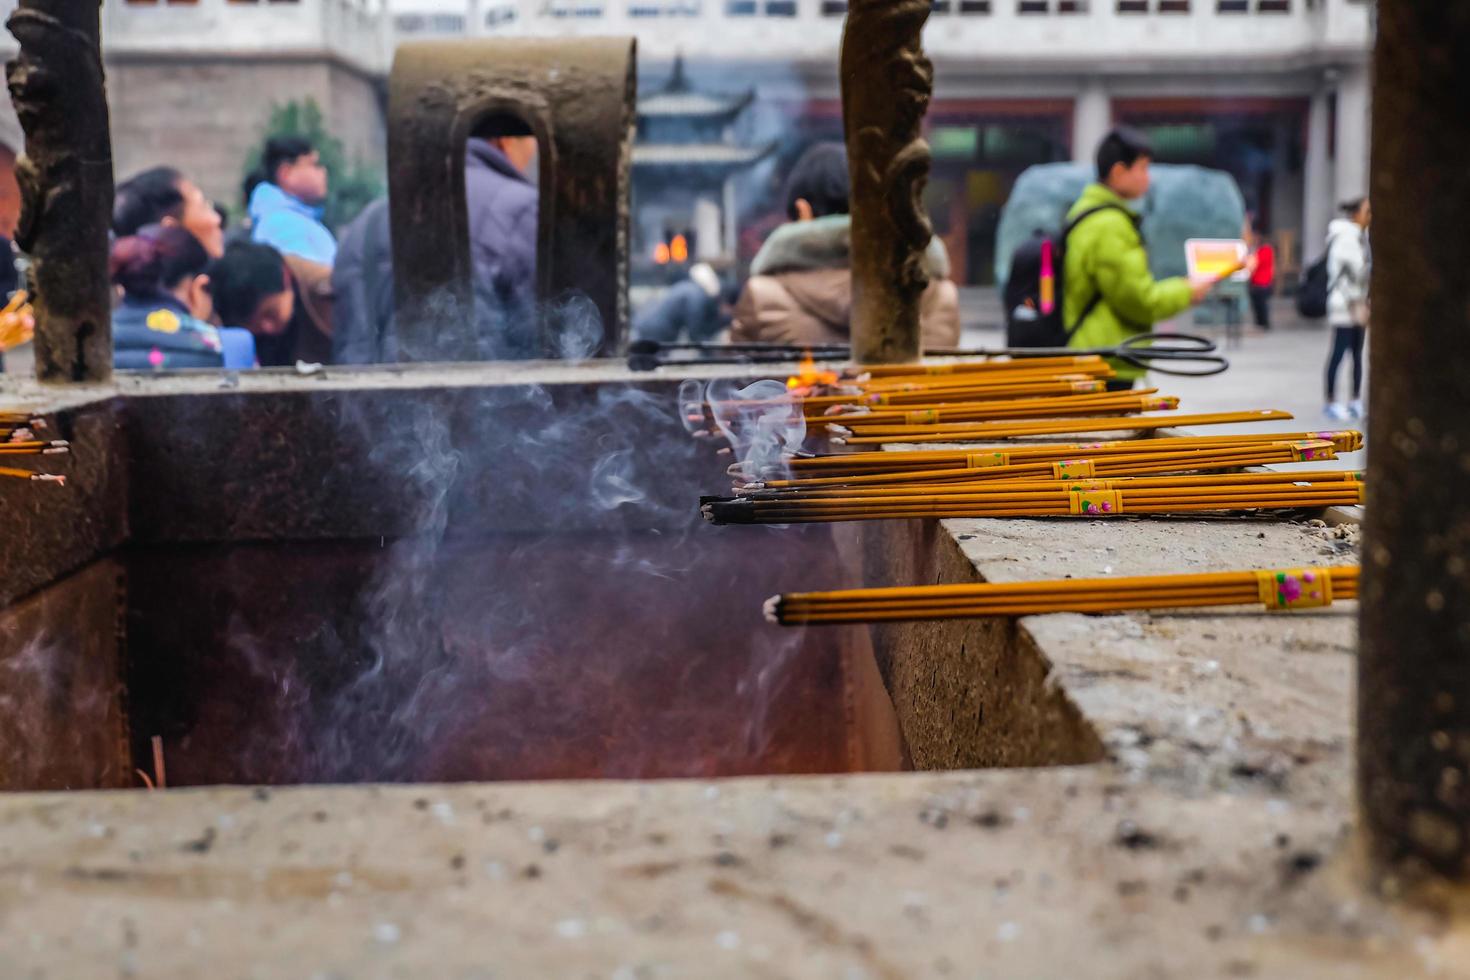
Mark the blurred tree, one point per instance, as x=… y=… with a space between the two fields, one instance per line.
x=352 y=185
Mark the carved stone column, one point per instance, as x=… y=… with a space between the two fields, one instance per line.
x=1414 y=660
x=886 y=85
x=65 y=181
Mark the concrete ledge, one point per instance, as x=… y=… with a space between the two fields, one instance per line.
x=1194 y=818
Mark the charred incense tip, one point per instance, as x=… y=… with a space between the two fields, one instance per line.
x=838 y=430
x=49 y=478
x=772 y=610
x=753 y=486
x=728 y=510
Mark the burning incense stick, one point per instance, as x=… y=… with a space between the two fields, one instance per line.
x=981 y=431
x=1276 y=589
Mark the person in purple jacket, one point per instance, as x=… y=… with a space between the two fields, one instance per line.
x=503 y=207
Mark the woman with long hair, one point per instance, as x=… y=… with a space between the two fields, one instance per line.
x=162 y=321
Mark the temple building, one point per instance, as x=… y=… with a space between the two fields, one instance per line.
x=685 y=164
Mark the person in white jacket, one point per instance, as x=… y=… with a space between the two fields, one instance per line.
x=1348 y=267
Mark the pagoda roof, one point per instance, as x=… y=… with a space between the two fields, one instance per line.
x=679 y=98
x=726 y=156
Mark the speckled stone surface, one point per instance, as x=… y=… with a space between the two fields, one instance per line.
x=1202 y=827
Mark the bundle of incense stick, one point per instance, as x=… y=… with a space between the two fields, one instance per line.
x=1066 y=362
x=986 y=375
x=1343 y=441
x=998 y=466
x=11 y=472
x=1099 y=404
x=1283 y=589
x=874 y=435
x=1059 y=501
x=17 y=438
x=1045 y=386
x=46 y=447
x=1097 y=462
x=940 y=491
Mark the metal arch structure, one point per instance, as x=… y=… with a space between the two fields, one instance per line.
x=578 y=97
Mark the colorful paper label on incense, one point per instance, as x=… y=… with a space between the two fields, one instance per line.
x=1073 y=469
x=1096 y=503
x=923 y=417
x=1308 y=450
x=976 y=460
x=1295 y=588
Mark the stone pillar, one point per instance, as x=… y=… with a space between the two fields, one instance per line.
x=1353 y=128
x=65 y=178
x=886 y=86
x=1414 y=661
x=1317 y=210
x=1092 y=117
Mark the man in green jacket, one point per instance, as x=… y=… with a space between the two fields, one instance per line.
x=1106 y=262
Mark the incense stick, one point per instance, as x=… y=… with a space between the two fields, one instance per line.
x=979 y=432
x=1275 y=589
x=1057 y=502
x=862 y=462
x=890 y=371
x=8 y=471
x=952 y=491
x=1095 y=464
x=1021 y=408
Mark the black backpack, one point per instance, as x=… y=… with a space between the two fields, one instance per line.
x=1026 y=325
x=1314 y=288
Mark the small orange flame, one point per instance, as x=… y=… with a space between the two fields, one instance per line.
x=661 y=254
x=808 y=376
x=679 y=249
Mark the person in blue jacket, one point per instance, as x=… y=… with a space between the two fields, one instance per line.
x=286 y=206
x=161 y=322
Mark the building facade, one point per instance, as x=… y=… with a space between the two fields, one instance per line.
x=191 y=83
x=1274 y=91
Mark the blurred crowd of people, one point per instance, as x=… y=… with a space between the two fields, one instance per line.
x=281 y=287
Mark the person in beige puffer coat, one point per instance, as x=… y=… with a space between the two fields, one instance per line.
x=800 y=286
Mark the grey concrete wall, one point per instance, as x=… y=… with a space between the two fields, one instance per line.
x=207 y=117
x=356 y=110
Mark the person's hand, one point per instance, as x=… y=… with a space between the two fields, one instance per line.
x=1199 y=290
x=16 y=328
